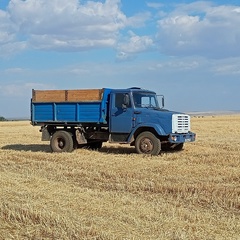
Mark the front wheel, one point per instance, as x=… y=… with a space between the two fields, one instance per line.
x=61 y=141
x=147 y=143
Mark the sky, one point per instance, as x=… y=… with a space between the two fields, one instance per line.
x=189 y=51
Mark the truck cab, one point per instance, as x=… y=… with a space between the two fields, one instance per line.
x=138 y=118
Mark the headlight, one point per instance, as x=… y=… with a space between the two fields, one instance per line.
x=174 y=138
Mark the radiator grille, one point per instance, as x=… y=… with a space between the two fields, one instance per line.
x=180 y=123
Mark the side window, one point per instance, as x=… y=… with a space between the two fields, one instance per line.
x=121 y=100
x=145 y=101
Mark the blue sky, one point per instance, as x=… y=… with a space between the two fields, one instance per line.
x=188 y=51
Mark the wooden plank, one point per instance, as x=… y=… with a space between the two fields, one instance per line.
x=84 y=95
x=48 y=95
x=67 y=95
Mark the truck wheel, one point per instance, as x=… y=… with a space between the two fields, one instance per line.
x=61 y=141
x=147 y=143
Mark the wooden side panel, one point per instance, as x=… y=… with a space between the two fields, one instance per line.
x=84 y=95
x=81 y=95
x=48 y=95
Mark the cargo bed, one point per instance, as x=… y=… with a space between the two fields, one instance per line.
x=69 y=106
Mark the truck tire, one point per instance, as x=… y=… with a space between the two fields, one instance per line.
x=147 y=143
x=61 y=141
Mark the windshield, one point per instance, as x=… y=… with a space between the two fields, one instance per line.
x=145 y=100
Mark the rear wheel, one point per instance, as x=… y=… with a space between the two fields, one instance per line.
x=147 y=143
x=61 y=141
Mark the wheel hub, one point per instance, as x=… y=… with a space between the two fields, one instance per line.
x=146 y=145
x=61 y=143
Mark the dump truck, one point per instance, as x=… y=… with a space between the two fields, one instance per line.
x=88 y=117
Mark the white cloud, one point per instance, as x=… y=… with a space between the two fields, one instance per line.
x=195 y=7
x=138 y=20
x=20 y=89
x=68 y=24
x=136 y=43
x=228 y=67
x=200 y=29
x=156 y=5
x=12 y=48
x=8 y=38
x=64 y=25
x=196 y=29
x=177 y=65
x=133 y=45
x=6 y=28
x=14 y=70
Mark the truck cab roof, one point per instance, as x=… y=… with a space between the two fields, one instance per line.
x=133 y=89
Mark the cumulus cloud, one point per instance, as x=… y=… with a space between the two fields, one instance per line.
x=200 y=29
x=68 y=24
x=133 y=45
x=196 y=29
x=8 y=35
x=7 y=28
x=64 y=25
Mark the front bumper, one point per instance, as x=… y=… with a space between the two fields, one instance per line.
x=182 y=138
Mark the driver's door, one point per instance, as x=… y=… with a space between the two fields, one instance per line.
x=121 y=113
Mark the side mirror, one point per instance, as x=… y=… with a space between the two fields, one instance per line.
x=162 y=100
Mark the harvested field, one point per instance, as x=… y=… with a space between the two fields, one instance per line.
x=115 y=193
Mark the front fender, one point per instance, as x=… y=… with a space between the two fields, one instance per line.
x=158 y=129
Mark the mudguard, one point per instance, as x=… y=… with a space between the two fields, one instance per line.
x=159 y=130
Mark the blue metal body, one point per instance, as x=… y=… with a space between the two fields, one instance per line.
x=68 y=112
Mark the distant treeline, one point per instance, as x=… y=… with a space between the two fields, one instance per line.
x=3 y=119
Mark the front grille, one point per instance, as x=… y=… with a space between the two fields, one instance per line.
x=180 y=123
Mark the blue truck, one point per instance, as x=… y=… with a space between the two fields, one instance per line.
x=89 y=117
